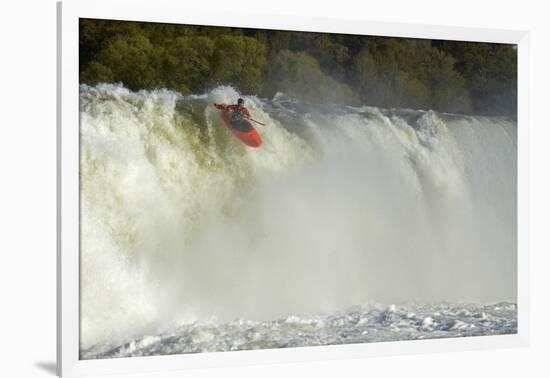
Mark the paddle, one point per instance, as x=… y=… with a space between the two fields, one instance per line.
x=258 y=122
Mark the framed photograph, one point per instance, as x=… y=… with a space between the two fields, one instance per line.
x=236 y=190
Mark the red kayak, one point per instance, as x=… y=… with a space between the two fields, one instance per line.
x=242 y=129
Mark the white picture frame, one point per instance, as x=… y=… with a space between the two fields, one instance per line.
x=173 y=11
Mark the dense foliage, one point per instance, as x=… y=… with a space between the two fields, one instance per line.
x=463 y=77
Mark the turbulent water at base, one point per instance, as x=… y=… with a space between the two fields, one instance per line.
x=191 y=241
x=356 y=325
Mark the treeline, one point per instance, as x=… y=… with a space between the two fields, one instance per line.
x=462 y=77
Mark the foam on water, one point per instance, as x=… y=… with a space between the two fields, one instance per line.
x=355 y=325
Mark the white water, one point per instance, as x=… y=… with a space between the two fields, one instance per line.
x=339 y=207
x=359 y=324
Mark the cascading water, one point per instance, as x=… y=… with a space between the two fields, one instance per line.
x=341 y=206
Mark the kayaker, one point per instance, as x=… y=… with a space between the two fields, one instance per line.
x=237 y=119
x=238 y=110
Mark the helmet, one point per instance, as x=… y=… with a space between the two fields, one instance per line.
x=240 y=101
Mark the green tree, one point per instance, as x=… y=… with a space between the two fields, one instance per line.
x=240 y=61
x=395 y=72
x=490 y=73
x=319 y=67
x=447 y=86
x=187 y=63
x=381 y=82
x=300 y=75
x=133 y=61
x=95 y=73
x=94 y=34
